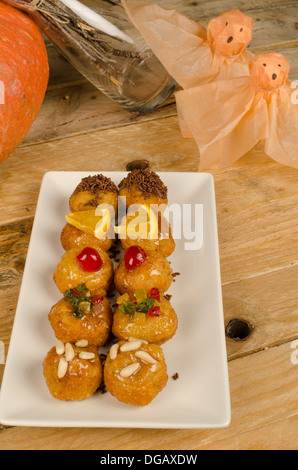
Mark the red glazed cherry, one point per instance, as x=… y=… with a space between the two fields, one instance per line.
x=97 y=299
x=154 y=311
x=89 y=259
x=134 y=257
x=154 y=294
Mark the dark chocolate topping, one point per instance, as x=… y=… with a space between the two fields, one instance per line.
x=96 y=183
x=146 y=181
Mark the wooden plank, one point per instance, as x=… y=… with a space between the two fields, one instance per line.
x=263 y=392
x=14 y=240
x=256 y=221
x=268 y=303
x=82 y=108
x=275 y=436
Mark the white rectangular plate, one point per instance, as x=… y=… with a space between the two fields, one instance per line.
x=199 y=398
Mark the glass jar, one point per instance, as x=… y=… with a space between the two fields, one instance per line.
x=125 y=70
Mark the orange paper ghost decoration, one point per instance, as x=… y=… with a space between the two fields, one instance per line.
x=227 y=118
x=190 y=53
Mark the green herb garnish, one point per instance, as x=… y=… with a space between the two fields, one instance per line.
x=145 y=305
x=128 y=308
x=80 y=299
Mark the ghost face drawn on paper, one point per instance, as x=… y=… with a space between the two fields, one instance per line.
x=230 y=33
x=269 y=70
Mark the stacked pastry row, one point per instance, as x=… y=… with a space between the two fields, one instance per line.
x=134 y=370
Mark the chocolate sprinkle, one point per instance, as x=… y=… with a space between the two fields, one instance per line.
x=146 y=181
x=167 y=297
x=94 y=184
x=175 y=376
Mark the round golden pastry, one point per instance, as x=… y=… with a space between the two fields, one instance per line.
x=94 y=326
x=163 y=243
x=72 y=237
x=68 y=273
x=143 y=187
x=93 y=191
x=82 y=378
x=155 y=271
x=140 y=388
x=154 y=329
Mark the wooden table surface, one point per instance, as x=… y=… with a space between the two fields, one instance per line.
x=78 y=128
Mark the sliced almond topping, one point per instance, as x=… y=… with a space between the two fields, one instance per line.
x=59 y=347
x=69 y=352
x=144 y=356
x=86 y=355
x=114 y=351
x=129 y=370
x=62 y=367
x=138 y=339
x=82 y=343
x=130 y=345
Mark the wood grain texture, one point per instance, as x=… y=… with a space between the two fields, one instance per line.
x=276 y=436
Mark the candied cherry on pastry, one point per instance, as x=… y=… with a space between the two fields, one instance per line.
x=153 y=270
x=89 y=259
x=90 y=265
x=134 y=257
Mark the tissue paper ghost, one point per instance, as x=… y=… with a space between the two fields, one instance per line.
x=227 y=118
x=190 y=53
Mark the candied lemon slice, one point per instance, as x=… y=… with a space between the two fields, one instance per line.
x=96 y=222
x=144 y=224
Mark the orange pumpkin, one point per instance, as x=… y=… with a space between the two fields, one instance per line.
x=24 y=74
